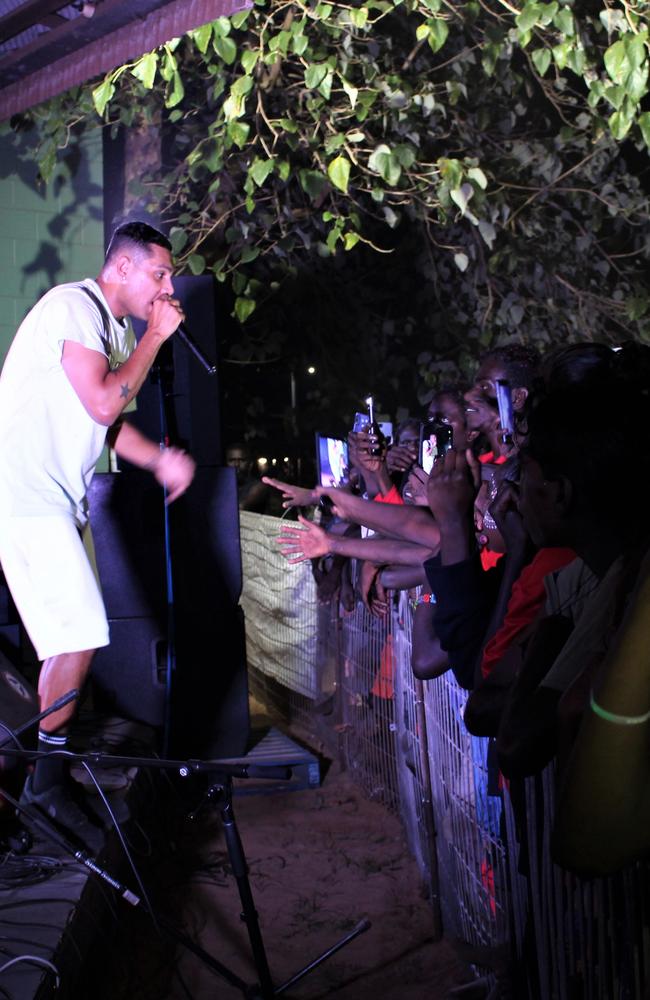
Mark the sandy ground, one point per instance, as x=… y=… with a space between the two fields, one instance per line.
x=320 y=860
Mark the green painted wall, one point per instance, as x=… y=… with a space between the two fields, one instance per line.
x=48 y=235
x=51 y=234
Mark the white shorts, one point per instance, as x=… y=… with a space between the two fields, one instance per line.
x=52 y=576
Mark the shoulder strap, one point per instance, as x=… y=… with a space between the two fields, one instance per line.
x=104 y=315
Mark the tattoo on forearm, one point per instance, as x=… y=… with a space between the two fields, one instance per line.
x=124 y=391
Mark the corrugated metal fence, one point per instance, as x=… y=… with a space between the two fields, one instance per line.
x=347 y=680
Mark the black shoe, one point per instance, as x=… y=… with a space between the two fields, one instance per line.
x=58 y=805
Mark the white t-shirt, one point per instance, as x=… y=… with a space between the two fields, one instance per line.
x=49 y=443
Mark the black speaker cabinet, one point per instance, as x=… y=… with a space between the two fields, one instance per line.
x=209 y=693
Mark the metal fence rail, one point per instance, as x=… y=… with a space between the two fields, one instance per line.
x=348 y=679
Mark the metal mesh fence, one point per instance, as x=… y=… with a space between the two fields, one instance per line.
x=406 y=744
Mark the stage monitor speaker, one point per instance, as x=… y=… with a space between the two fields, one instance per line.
x=209 y=697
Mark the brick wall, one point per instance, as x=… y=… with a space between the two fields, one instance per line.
x=48 y=235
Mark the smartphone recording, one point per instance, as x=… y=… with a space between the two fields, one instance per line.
x=436 y=439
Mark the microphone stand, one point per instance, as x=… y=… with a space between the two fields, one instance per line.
x=162 y=374
x=221 y=773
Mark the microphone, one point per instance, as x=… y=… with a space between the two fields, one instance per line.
x=184 y=334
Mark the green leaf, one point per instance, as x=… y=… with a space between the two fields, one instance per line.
x=248 y=254
x=359 y=17
x=576 y=60
x=541 y=59
x=636 y=48
x=438 y=32
x=145 y=69
x=615 y=96
x=462 y=196
x=352 y=92
x=644 y=125
x=461 y=260
x=451 y=171
x=238 y=133
x=102 y=95
x=476 y=174
x=221 y=27
x=636 y=83
x=385 y=163
x=178 y=239
x=299 y=43
x=488 y=232
x=561 y=53
x=333 y=237
x=312 y=182
x=239 y=20
x=637 y=306
x=616 y=61
x=338 y=172
x=620 y=124
x=242 y=86
x=176 y=92
x=529 y=16
x=196 y=263
x=283 y=168
x=315 y=74
x=351 y=240
x=259 y=170
x=325 y=87
x=202 y=37
x=226 y=48
x=564 y=22
x=249 y=59
x=243 y=308
x=334 y=142
x=405 y=155
x=548 y=12
x=168 y=65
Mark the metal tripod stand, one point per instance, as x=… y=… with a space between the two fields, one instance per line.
x=220 y=774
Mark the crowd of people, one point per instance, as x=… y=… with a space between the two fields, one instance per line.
x=525 y=548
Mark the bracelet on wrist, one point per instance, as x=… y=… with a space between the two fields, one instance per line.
x=422 y=599
x=615 y=718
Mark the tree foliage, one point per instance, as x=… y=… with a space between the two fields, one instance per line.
x=497 y=152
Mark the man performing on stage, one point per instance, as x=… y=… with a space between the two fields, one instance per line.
x=72 y=369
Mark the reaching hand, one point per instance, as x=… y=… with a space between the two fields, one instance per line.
x=400 y=457
x=372 y=591
x=415 y=491
x=174 y=469
x=452 y=486
x=361 y=444
x=294 y=496
x=308 y=542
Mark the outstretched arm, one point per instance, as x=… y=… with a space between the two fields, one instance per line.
x=413 y=524
x=172 y=467
x=311 y=542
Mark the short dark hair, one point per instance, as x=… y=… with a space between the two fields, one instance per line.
x=520 y=363
x=136 y=234
x=575 y=364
